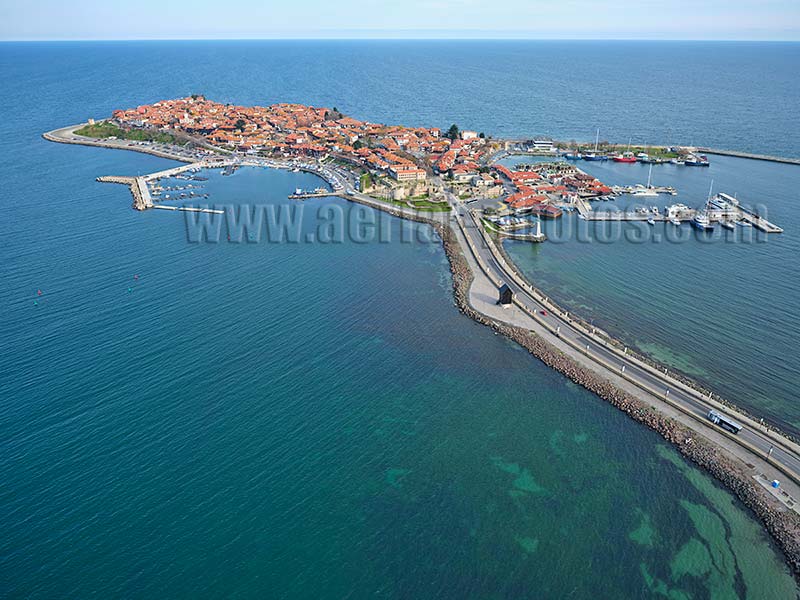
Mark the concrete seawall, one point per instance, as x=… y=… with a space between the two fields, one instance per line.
x=66 y=135
x=778 y=159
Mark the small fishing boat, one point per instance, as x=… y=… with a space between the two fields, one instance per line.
x=696 y=161
x=625 y=157
x=651 y=221
x=594 y=157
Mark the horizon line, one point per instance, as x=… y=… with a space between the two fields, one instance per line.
x=400 y=39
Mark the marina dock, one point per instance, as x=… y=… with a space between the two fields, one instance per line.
x=304 y=195
x=727 y=209
x=212 y=211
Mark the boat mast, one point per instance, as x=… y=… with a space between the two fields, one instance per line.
x=708 y=200
x=649 y=175
x=596 y=139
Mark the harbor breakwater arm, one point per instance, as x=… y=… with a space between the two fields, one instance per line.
x=766 y=157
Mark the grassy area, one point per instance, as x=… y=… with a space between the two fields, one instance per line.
x=489 y=227
x=105 y=130
x=365 y=182
x=423 y=205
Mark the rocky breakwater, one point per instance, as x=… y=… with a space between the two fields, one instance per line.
x=138 y=187
x=782 y=524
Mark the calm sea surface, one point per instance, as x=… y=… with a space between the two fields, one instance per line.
x=721 y=308
x=317 y=419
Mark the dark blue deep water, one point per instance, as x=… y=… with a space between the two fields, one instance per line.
x=317 y=420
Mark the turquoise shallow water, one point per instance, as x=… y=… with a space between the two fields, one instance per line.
x=299 y=420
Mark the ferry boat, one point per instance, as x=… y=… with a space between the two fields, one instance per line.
x=625 y=157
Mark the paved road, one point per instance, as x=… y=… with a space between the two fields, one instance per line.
x=608 y=360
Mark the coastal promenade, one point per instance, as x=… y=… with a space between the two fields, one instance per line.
x=769 y=453
x=660 y=389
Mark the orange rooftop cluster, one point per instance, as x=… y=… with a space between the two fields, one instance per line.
x=404 y=153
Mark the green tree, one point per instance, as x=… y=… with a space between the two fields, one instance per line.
x=241 y=124
x=357 y=144
x=481 y=135
x=453 y=132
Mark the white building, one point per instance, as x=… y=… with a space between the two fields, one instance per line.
x=543 y=145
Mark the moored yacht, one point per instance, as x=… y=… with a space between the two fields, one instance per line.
x=696 y=161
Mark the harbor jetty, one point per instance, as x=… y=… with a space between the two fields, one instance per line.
x=766 y=157
x=142 y=200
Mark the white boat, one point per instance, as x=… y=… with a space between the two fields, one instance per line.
x=651 y=221
x=728 y=225
x=744 y=224
x=674 y=221
x=648 y=190
x=701 y=220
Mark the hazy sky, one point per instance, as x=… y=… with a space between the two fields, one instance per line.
x=222 y=19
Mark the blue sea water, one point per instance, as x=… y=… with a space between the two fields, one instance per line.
x=313 y=420
x=719 y=308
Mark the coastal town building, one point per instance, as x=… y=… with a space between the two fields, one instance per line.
x=403 y=153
